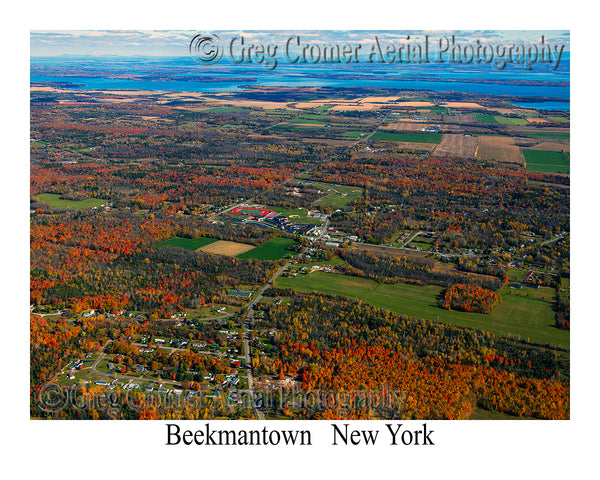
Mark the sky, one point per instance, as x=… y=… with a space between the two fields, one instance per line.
x=176 y=42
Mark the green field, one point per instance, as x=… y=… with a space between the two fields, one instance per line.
x=422 y=243
x=408 y=137
x=187 y=243
x=307 y=119
x=485 y=118
x=272 y=250
x=313 y=116
x=510 y=121
x=515 y=275
x=335 y=200
x=353 y=134
x=482 y=414
x=549 y=135
x=329 y=283
x=55 y=201
x=340 y=196
x=545 y=161
x=557 y=119
x=298 y=126
x=297 y=215
x=518 y=315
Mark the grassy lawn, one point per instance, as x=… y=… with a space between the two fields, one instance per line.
x=510 y=121
x=518 y=315
x=208 y=311
x=333 y=261
x=187 y=243
x=408 y=137
x=545 y=161
x=340 y=196
x=515 y=275
x=485 y=118
x=422 y=244
x=55 y=201
x=272 y=250
x=297 y=215
x=335 y=200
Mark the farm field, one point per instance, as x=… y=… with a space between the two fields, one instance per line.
x=309 y=119
x=545 y=161
x=295 y=126
x=517 y=315
x=461 y=118
x=457 y=145
x=55 y=201
x=405 y=126
x=485 y=118
x=187 y=243
x=558 y=119
x=272 y=250
x=223 y=247
x=408 y=137
x=354 y=134
x=510 y=120
x=329 y=283
x=225 y=110
x=499 y=148
x=550 y=135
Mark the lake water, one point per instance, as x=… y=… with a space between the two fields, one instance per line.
x=433 y=78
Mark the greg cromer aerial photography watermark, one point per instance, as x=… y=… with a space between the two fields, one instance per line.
x=210 y=48
x=387 y=403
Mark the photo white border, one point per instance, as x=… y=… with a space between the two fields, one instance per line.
x=465 y=449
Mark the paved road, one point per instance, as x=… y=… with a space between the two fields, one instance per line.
x=410 y=239
x=556 y=239
x=247 y=324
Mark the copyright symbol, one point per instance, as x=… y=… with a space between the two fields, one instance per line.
x=52 y=398
x=206 y=49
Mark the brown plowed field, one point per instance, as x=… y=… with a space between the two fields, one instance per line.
x=501 y=149
x=457 y=146
x=222 y=247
